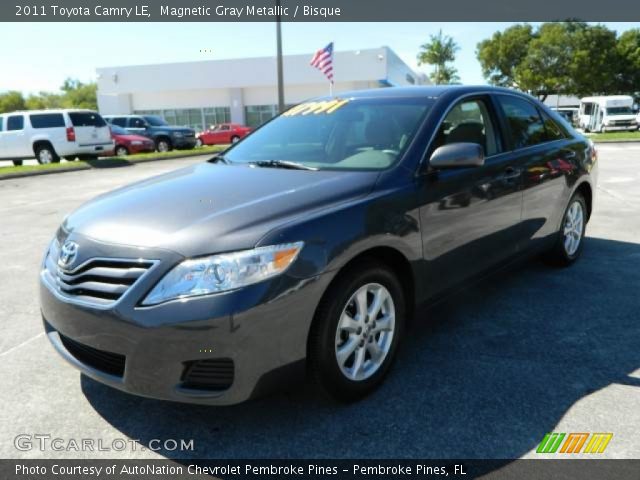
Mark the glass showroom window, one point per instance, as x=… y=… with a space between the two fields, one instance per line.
x=216 y=115
x=256 y=115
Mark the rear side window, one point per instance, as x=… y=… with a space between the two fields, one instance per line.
x=525 y=124
x=15 y=122
x=47 y=120
x=552 y=129
x=86 y=119
x=1 y=123
x=137 y=122
x=119 y=121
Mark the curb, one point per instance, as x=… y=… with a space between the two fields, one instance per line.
x=35 y=173
x=615 y=141
x=116 y=162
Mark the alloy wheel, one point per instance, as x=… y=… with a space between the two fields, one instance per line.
x=365 y=332
x=573 y=228
x=45 y=156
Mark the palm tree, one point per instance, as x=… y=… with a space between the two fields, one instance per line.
x=439 y=51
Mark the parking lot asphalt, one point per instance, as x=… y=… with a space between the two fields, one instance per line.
x=485 y=375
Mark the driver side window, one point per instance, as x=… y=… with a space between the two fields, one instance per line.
x=469 y=122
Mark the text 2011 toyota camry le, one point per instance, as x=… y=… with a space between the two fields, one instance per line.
x=309 y=242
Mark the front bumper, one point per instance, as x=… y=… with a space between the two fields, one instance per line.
x=184 y=142
x=262 y=329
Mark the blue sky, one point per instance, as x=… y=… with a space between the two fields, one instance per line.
x=47 y=53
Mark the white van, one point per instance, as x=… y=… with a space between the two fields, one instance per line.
x=605 y=114
x=49 y=135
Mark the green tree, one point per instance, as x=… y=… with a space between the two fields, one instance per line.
x=11 y=101
x=595 y=63
x=628 y=49
x=440 y=51
x=79 y=95
x=502 y=53
x=545 y=67
x=44 y=100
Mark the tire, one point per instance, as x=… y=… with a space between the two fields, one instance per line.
x=235 y=139
x=574 y=222
x=163 y=145
x=46 y=154
x=341 y=338
x=199 y=143
x=121 y=151
x=17 y=163
x=603 y=129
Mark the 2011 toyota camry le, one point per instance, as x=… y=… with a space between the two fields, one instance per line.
x=306 y=246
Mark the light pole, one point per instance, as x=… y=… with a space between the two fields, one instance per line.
x=279 y=58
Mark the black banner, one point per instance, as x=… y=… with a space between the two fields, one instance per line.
x=583 y=469
x=315 y=10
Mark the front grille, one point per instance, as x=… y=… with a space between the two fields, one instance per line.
x=100 y=281
x=107 y=362
x=210 y=374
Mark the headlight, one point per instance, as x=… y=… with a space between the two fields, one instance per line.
x=220 y=273
x=178 y=134
x=136 y=142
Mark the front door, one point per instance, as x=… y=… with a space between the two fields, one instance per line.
x=470 y=217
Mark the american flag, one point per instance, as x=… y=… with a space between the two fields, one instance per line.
x=323 y=61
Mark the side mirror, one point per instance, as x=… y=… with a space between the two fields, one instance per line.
x=456 y=155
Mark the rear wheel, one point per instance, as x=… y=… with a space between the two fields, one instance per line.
x=46 y=154
x=356 y=331
x=235 y=139
x=198 y=143
x=569 y=243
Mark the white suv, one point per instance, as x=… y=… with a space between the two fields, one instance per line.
x=48 y=135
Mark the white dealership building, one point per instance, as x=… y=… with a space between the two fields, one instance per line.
x=241 y=90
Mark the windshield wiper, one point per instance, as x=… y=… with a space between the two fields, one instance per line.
x=282 y=164
x=219 y=158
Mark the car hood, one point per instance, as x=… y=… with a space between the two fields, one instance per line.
x=176 y=129
x=208 y=208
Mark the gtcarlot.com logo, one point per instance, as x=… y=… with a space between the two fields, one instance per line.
x=26 y=442
x=574 y=443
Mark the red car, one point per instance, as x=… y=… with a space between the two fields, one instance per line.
x=127 y=143
x=222 y=134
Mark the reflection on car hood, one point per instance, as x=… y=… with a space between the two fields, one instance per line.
x=208 y=208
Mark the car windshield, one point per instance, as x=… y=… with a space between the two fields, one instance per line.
x=338 y=133
x=156 y=121
x=619 y=111
x=118 y=130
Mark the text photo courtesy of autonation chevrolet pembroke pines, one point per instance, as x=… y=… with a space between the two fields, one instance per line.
x=332 y=239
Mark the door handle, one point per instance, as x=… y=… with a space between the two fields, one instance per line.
x=511 y=173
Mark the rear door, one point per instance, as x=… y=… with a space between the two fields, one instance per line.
x=91 y=129
x=470 y=216
x=547 y=153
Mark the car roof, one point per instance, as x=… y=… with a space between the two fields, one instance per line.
x=52 y=110
x=430 y=91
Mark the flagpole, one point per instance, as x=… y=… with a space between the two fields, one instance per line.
x=331 y=89
x=279 y=58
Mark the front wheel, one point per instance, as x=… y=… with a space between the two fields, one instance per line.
x=235 y=139
x=571 y=235
x=163 y=145
x=356 y=331
x=121 y=151
x=17 y=163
